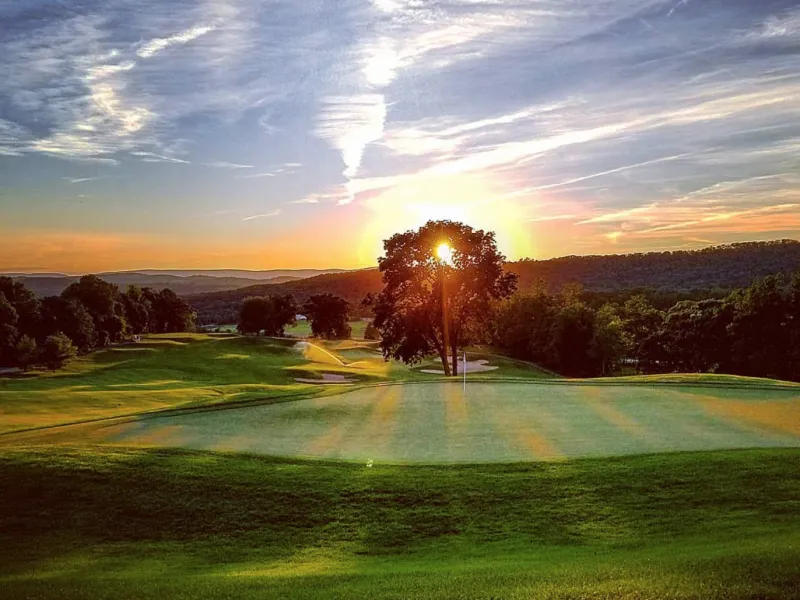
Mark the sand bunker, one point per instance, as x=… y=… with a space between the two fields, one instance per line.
x=473 y=366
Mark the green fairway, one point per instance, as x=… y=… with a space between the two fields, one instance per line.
x=492 y=422
x=132 y=523
x=183 y=370
x=162 y=371
x=303 y=329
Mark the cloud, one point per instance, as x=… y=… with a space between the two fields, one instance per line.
x=286 y=168
x=274 y=213
x=637 y=122
x=153 y=157
x=156 y=45
x=227 y=165
x=80 y=179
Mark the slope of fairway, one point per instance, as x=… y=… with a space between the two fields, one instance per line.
x=143 y=524
x=163 y=371
x=182 y=370
x=492 y=422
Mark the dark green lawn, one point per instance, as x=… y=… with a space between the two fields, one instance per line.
x=133 y=523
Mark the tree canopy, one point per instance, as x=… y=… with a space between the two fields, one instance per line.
x=329 y=315
x=270 y=314
x=90 y=313
x=438 y=284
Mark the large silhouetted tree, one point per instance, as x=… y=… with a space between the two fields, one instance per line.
x=418 y=285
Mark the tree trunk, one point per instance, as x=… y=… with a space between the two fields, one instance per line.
x=445 y=364
x=455 y=356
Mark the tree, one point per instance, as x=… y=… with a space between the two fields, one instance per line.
x=8 y=331
x=760 y=330
x=522 y=325
x=371 y=332
x=268 y=314
x=423 y=294
x=57 y=351
x=573 y=334
x=608 y=343
x=328 y=315
x=25 y=352
x=252 y=316
x=642 y=329
x=71 y=318
x=25 y=305
x=170 y=312
x=695 y=335
x=100 y=299
x=137 y=309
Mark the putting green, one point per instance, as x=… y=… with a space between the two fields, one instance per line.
x=492 y=422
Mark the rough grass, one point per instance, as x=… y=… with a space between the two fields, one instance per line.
x=132 y=523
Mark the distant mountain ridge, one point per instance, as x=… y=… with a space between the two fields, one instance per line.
x=232 y=273
x=716 y=267
x=190 y=282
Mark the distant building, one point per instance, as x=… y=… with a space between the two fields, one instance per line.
x=300 y=318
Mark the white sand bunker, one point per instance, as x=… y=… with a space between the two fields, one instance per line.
x=327 y=378
x=473 y=366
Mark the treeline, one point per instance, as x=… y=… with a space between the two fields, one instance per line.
x=751 y=331
x=270 y=315
x=90 y=313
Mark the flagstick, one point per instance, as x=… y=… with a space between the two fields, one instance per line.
x=465 y=371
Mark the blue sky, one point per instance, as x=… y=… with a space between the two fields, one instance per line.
x=260 y=134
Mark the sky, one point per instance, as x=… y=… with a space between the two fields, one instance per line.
x=301 y=133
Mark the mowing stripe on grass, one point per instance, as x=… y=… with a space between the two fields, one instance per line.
x=493 y=422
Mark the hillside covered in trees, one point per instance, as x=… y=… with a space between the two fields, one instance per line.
x=664 y=277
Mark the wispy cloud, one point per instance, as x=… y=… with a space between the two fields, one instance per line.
x=153 y=157
x=274 y=213
x=285 y=169
x=632 y=123
x=227 y=165
x=156 y=45
x=80 y=179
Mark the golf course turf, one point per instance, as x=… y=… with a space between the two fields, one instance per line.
x=522 y=488
x=491 y=422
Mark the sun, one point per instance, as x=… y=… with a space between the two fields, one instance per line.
x=445 y=253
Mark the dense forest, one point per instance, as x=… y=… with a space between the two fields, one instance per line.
x=91 y=313
x=663 y=277
x=751 y=331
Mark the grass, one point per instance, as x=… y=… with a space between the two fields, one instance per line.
x=491 y=422
x=694 y=379
x=94 y=523
x=303 y=329
x=164 y=371
x=183 y=370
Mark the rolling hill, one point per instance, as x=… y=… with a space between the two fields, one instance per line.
x=714 y=268
x=182 y=282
